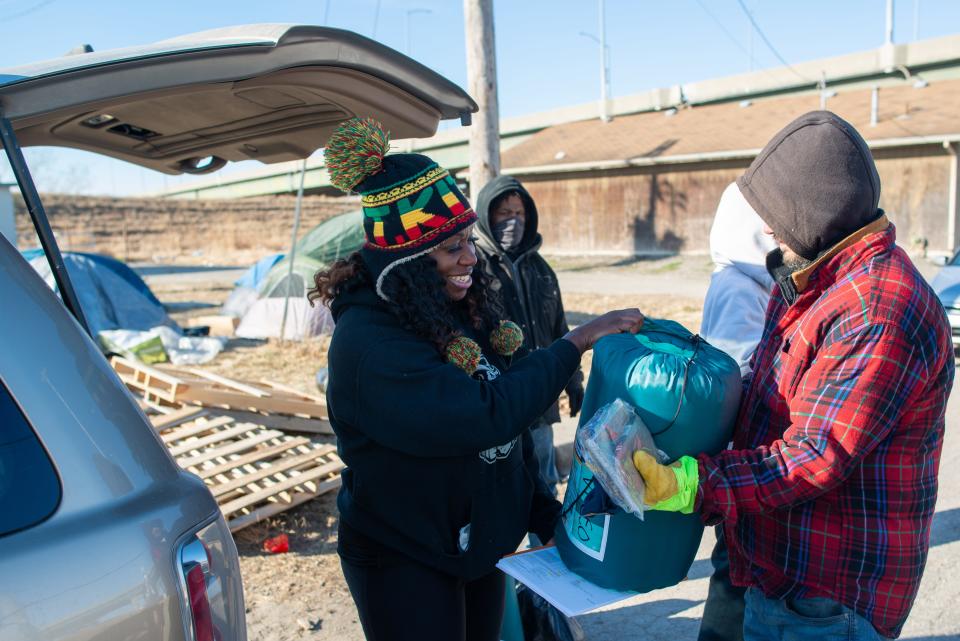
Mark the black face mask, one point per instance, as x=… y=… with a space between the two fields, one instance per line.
x=509 y=233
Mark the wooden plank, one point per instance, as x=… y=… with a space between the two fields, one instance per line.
x=218 y=436
x=229 y=382
x=147 y=379
x=273 y=508
x=292 y=390
x=276 y=488
x=233 y=448
x=282 y=464
x=246 y=459
x=282 y=422
x=177 y=417
x=237 y=400
x=193 y=429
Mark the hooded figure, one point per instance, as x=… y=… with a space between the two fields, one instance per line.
x=828 y=494
x=736 y=301
x=509 y=241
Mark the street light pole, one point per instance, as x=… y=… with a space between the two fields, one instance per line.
x=411 y=12
x=604 y=106
x=604 y=76
x=889 y=39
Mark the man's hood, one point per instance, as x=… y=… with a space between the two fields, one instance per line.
x=737 y=240
x=501 y=185
x=814 y=183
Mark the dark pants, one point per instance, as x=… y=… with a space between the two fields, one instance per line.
x=723 y=611
x=399 y=599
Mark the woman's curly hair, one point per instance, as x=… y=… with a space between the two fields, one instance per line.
x=417 y=296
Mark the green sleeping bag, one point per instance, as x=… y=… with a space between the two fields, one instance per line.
x=687 y=392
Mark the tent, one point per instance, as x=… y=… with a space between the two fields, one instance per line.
x=329 y=241
x=111 y=294
x=244 y=293
x=123 y=313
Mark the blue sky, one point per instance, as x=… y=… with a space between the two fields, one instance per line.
x=543 y=61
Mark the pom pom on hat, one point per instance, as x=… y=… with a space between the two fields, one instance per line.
x=464 y=353
x=355 y=151
x=507 y=338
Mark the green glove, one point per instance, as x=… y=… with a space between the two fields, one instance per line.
x=671 y=488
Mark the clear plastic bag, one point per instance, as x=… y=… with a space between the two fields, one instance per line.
x=606 y=444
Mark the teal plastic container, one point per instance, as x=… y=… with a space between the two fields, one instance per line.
x=687 y=392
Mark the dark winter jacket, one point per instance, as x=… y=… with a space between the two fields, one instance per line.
x=526 y=283
x=430 y=449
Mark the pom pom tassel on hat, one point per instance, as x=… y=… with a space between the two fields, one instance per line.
x=355 y=151
x=410 y=204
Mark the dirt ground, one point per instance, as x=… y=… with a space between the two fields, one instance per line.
x=301 y=594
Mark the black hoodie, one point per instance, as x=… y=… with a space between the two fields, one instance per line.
x=527 y=284
x=430 y=449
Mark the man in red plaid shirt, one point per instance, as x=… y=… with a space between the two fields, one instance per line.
x=827 y=496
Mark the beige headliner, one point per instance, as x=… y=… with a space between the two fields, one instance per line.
x=282 y=116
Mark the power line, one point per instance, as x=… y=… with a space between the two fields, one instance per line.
x=25 y=12
x=767 y=42
x=733 y=38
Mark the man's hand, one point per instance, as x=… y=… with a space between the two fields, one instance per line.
x=671 y=488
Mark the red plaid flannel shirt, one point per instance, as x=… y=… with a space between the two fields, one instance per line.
x=830 y=487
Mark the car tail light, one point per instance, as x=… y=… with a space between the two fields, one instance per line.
x=203 y=626
x=213 y=597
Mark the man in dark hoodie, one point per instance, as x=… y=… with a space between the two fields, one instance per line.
x=510 y=242
x=828 y=494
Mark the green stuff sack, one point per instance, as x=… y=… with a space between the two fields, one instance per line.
x=687 y=392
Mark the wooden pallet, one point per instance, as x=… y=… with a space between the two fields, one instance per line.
x=280 y=405
x=254 y=472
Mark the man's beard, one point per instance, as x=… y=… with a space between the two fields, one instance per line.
x=795 y=262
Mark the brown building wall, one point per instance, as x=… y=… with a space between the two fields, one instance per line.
x=650 y=211
x=164 y=230
x=670 y=210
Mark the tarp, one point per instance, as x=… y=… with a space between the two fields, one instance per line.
x=119 y=268
x=252 y=278
x=111 y=294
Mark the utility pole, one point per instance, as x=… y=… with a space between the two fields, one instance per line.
x=889 y=38
x=482 y=86
x=604 y=81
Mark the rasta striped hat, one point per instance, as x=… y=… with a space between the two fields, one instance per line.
x=410 y=204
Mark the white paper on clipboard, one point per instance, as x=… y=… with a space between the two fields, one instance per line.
x=542 y=570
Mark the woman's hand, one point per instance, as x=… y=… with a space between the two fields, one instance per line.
x=619 y=321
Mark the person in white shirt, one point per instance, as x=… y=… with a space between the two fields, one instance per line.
x=733 y=314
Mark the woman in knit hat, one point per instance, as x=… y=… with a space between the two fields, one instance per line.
x=430 y=417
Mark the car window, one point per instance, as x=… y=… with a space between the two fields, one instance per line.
x=29 y=486
x=955 y=261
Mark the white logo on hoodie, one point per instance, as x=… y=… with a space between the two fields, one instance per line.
x=487 y=371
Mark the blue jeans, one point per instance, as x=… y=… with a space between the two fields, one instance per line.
x=723 y=611
x=813 y=619
x=542 y=433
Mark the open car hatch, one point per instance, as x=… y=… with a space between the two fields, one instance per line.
x=191 y=104
x=267 y=92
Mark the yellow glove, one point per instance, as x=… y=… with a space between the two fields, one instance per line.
x=672 y=488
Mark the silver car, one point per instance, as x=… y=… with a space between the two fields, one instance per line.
x=102 y=535
x=947 y=286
